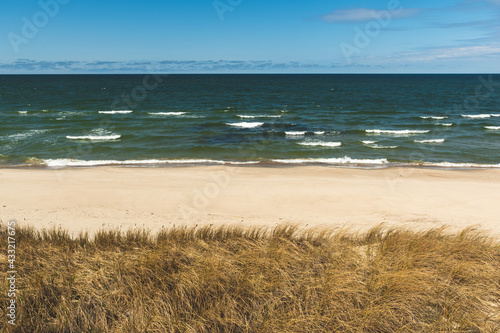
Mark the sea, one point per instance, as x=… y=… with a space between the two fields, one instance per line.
x=158 y=120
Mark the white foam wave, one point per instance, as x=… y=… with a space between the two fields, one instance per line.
x=321 y=144
x=495 y=114
x=461 y=165
x=25 y=135
x=22 y=112
x=337 y=161
x=434 y=117
x=94 y=137
x=444 y=124
x=245 y=124
x=430 y=141
x=83 y=163
x=70 y=113
x=375 y=146
x=117 y=112
x=168 y=113
x=476 y=116
x=319 y=132
x=296 y=133
x=494 y=128
x=397 y=132
x=258 y=116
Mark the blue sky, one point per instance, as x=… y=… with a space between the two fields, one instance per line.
x=249 y=36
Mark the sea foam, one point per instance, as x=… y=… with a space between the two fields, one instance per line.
x=494 y=128
x=296 y=133
x=83 y=163
x=258 y=116
x=321 y=144
x=461 y=165
x=98 y=134
x=334 y=161
x=167 y=113
x=430 y=141
x=117 y=112
x=245 y=124
x=434 y=117
x=476 y=116
x=396 y=132
x=374 y=145
x=94 y=137
x=25 y=135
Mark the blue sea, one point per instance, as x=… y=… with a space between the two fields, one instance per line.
x=338 y=120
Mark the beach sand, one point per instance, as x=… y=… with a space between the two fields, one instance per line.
x=88 y=199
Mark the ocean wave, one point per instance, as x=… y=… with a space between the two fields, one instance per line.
x=319 y=132
x=258 y=116
x=374 y=145
x=321 y=144
x=460 y=165
x=245 y=124
x=83 y=163
x=71 y=113
x=476 y=116
x=397 y=132
x=167 y=113
x=494 y=128
x=444 y=124
x=434 y=117
x=61 y=163
x=335 y=161
x=495 y=114
x=117 y=112
x=99 y=134
x=22 y=112
x=295 y=133
x=430 y=141
x=25 y=135
x=94 y=137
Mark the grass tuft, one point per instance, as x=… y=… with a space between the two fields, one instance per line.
x=255 y=279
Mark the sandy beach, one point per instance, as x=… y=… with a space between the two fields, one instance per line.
x=88 y=199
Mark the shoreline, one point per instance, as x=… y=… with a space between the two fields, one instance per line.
x=123 y=197
x=449 y=166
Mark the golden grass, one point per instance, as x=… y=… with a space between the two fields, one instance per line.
x=236 y=279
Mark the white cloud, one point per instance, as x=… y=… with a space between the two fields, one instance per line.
x=445 y=53
x=365 y=14
x=187 y=66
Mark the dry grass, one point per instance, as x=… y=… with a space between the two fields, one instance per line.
x=235 y=279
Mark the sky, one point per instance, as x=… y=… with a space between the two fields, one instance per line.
x=249 y=36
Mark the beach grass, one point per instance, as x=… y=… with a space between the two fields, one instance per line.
x=252 y=279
